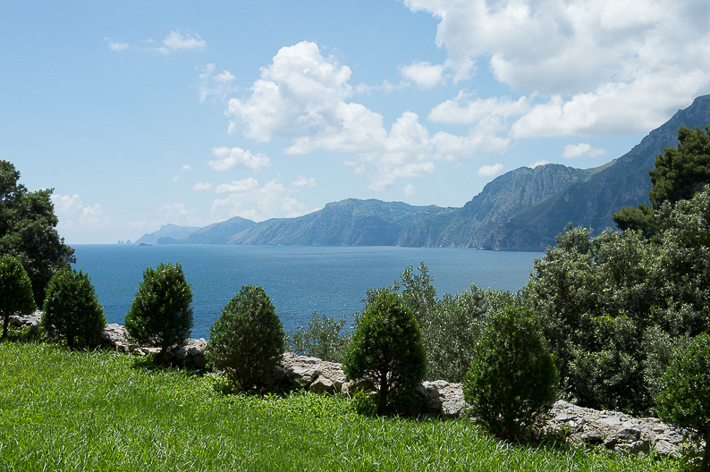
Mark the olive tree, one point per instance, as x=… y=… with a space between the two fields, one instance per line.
x=386 y=350
x=71 y=308
x=160 y=314
x=15 y=291
x=247 y=340
x=511 y=382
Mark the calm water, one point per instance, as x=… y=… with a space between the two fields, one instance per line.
x=299 y=280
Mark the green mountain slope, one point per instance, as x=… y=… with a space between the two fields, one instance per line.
x=218 y=233
x=590 y=203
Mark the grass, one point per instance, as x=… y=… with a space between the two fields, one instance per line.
x=62 y=410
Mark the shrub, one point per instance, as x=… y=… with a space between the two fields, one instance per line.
x=247 y=341
x=512 y=378
x=15 y=291
x=684 y=399
x=386 y=349
x=322 y=339
x=71 y=308
x=160 y=313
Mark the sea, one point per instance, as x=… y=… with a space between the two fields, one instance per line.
x=300 y=280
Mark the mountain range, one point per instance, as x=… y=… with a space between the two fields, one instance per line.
x=522 y=210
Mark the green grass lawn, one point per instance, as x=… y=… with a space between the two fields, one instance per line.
x=62 y=410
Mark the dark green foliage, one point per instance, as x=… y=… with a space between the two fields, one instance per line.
x=684 y=399
x=27 y=230
x=160 y=313
x=386 y=350
x=322 y=339
x=247 y=341
x=71 y=308
x=15 y=291
x=641 y=219
x=512 y=379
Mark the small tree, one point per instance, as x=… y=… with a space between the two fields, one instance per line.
x=15 y=291
x=512 y=378
x=160 y=313
x=247 y=341
x=387 y=349
x=322 y=339
x=71 y=308
x=684 y=399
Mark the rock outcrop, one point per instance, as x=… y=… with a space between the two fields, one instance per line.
x=615 y=431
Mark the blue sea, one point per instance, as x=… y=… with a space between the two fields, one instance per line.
x=299 y=279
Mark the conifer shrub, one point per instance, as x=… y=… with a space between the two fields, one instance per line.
x=387 y=351
x=160 y=314
x=684 y=399
x=71 y=309
x=247 y=340
x=15 y=291
x=512 y=378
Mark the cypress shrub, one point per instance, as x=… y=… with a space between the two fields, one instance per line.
x=511 y=381
x=247 y=341
x=15 y=291
x=71 y=308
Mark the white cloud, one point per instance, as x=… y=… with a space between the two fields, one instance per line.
x=423 y=74
x=594 y=66
x=581 y=149
x=303 y=96
x=117 y=46
x=539 y=163
x=202 y=186
x=177 y=40
x=247 y=200
x=490 y=171
x=219 y=85
x=409 y=190
x=238 y=186
x=72 y=212
x=237 y=157
x=186 y=168
x=304 y=182
x=465 y=109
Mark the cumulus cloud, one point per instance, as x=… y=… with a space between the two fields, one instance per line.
x=423 y=74
x=202 y=186
x=581 y=149
x=304 y=96
x=304 y=182
x=539 y=163
x=227 y=158
x=593 y=67
x=177 y=40
x=409 y=190
x=117 y=45
x=490 y=170
x=211 y=84
x=257 y=203
x=72 y=212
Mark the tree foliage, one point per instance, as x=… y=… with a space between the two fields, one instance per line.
x=71 y=308
x=386 y=350
x=511 y=382
x=324 y=338
x=684 y=398
x=160 y=313
x=15 y=291
x=27 y=230
x=247 y=341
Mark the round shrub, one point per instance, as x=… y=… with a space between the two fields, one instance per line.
x=386 y=350
x=512 y=378
x=247 y=341
x=684 y=399
x=15 y=291
x=160 y=313
x=71 y=308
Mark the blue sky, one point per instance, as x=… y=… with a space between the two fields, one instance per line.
x=139 y=114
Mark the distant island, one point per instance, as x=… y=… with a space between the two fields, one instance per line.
x=522 y=210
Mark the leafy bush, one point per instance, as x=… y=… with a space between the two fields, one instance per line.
x=684 y=399
x=386 y=349
x=511 y=382
x=71 y=308
x=160 y=313
x=247 y=341
x=15 y=291
x=322 y=339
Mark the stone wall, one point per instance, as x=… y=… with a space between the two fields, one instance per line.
x=613 y=430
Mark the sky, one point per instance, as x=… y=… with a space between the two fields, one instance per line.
x=140 y=114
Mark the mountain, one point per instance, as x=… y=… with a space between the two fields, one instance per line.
x=218 y=233
x=167 y=231
x=590 y=203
